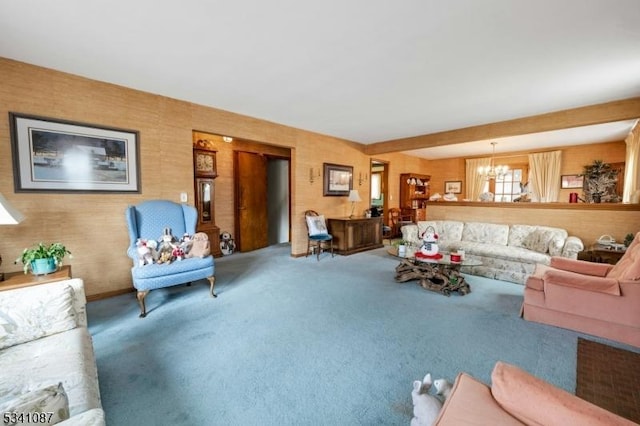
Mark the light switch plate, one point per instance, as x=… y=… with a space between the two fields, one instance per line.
x=183 y=197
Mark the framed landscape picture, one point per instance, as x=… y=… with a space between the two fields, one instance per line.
x=57 y=155
x=454 y=187
x=338 y=179
x=572 y=181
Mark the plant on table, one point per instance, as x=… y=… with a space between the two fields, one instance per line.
x=628 y=239
x=55 y=251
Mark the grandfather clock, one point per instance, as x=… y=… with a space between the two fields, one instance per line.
x=204 y=173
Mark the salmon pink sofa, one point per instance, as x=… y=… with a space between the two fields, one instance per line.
x=515 y=397
x=594 y=298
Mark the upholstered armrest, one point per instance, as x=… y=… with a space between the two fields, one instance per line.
x=582 y=282
x=30 y=313
x=581 y=266
x=536 y=402
x=572 y=246
x=410 y=233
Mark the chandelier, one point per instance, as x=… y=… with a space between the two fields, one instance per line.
x=493 y=171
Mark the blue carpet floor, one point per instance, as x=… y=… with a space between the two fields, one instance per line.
x=294 y=341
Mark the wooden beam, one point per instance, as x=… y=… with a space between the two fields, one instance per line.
x=625 y=109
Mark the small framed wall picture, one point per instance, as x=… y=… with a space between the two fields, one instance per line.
x=338 y=179
x=571 y=181
x=453 y=186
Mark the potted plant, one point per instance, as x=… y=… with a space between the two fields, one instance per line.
x=628 y=239
x=600 y=183
x=43 y=259
x=401 y=247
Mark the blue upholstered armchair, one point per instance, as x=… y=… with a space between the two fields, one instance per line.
x=148 y=221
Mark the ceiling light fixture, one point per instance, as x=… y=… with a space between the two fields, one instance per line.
x=492 y=171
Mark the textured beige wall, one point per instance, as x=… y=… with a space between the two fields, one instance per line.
x=92 y=225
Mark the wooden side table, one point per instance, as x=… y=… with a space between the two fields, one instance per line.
x=600 y=254
x=20 y=279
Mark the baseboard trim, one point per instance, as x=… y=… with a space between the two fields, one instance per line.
x=109 y=294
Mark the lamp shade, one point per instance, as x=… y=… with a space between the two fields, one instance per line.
x=8 y=214
x=354 y=195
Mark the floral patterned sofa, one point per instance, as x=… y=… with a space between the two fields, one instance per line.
x=507 y=252
x=48 y=368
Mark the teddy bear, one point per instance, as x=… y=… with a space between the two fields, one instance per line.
x=426 y=407
x=145 y=253
x=200 y=246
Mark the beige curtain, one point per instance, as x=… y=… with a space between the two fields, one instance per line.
x=544 y=175
x=474 y=182
x=632 y=165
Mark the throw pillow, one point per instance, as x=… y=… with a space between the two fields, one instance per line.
x=317 y=225
x=31 y=313
x=46 y=406
x=538 y=241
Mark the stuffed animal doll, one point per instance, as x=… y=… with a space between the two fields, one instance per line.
x=426 y=407
x=443 y=388
x=165 y=247
x=429 y=242
x=177 y=253
x=186 y=242
x=200 y=246
x=145 y=256
x=165 y=257
x=227 y=245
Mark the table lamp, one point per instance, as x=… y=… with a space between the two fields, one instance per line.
x=354 y=197
x=8 y=216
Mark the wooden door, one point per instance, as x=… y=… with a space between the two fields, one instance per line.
x=251 y=201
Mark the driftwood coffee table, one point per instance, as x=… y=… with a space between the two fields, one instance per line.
x=440 y=275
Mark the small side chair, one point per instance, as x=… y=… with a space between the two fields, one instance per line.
x=148 y=220
x=318 y=234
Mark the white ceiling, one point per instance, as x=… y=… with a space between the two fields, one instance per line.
x=362 y=70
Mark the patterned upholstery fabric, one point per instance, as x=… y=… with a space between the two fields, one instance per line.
x=501 y=248
x=63 y=357
x=148 y=221
x=34 y=313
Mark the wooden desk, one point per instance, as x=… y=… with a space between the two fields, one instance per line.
x=20 y=279
x=352 y=235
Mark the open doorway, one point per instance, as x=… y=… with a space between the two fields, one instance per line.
x=379 y=197
x=262 y=200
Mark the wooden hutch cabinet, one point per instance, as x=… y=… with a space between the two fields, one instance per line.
x=414 y=194
x=205 y=171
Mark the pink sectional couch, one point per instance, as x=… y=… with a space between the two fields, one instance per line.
x=598 y=299
x=518 y=398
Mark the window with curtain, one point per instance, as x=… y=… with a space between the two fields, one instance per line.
x=376 y=188
x=506 y=188
x=545 y=175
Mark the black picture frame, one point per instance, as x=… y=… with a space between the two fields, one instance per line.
x=571 y=181
x=53 y=155
x=338 y=180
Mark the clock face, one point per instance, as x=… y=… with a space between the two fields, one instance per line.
x=204 y=163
